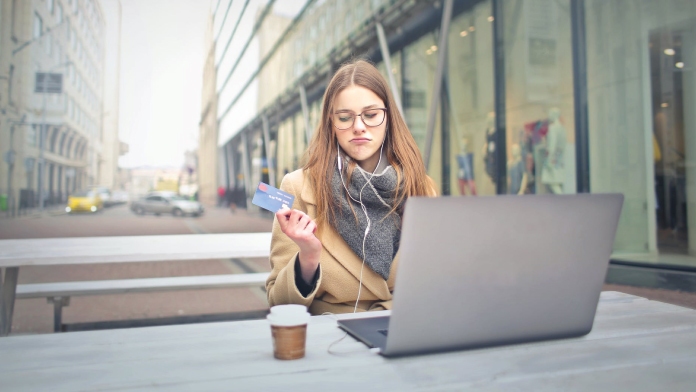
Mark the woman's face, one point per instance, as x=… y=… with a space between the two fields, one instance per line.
x=360 y=141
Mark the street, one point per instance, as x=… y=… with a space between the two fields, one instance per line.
x=119 y=220
x=110 y=311
x=36 y=316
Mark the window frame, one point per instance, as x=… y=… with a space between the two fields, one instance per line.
x=37 y=29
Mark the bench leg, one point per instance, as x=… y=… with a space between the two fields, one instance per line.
x=58 y=303
x=7 y=299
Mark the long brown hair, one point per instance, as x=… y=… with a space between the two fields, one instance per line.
x=399 y=147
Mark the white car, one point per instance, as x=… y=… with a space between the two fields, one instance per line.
x=120 y=197
x=104 y=194
x=166 y=203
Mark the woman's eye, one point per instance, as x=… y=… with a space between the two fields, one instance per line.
x=370 y=115
x=344 y=119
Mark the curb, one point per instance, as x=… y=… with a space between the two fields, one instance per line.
x=32 y=215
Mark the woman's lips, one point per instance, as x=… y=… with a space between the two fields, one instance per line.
x=360 y=141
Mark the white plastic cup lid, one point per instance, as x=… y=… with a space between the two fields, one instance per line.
x=290 y=309
x=288 y=320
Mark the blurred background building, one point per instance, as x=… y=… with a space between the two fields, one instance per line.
x=142 y=180
x=78 y=120
x=502 y=96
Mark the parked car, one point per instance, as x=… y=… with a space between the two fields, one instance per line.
x=87 y=200
x=104 y=194
x=120 y=197
x=166 y=203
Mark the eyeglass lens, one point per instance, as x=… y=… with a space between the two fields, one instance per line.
x=371 y=118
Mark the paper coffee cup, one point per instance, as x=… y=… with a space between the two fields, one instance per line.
x=289 y=330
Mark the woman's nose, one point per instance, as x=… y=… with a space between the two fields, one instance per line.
x=358 y=124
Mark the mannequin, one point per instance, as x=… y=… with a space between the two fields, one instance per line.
x=553 y=171
x=465 y=175
x=517 y=175
x=489 y=147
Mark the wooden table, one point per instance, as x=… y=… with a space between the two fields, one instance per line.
x=636 y=345
x=93 y=250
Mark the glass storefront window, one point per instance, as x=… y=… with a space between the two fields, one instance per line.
x=540 y=141
x=418 y=72
x=642 y=122
x=299 y=138
x=469 y=92
x=419 y=64
x=284 y=151
x=395 y=60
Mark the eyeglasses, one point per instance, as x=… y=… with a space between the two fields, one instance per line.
x=371 y=118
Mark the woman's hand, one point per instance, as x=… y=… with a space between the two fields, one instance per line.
x=300 y=228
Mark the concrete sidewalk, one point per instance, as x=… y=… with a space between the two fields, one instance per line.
x=32 y=213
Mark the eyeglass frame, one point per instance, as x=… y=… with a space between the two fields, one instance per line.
x=385 y=110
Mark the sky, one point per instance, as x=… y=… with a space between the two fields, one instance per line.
x=163 y=52
x=162 y=58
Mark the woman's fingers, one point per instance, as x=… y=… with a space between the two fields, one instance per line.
x=295 y=223
x=303 y=222
x=296 y=216
x=283 y=216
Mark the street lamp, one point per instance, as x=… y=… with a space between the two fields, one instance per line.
x=44 y=129
x=10 y=157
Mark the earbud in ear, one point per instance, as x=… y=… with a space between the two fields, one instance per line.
x=338 y=156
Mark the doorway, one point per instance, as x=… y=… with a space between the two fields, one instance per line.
x=671 y=74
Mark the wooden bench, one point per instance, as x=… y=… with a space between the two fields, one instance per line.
x=59 y=294
x=95 y=250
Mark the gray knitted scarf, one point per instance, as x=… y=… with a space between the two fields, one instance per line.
x=382 y=241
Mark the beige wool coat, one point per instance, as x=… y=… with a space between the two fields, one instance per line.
x=339 y=278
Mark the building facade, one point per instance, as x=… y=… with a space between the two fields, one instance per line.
x=112 y=147
x=65 y=37
x=207 y=154
x=502 y=97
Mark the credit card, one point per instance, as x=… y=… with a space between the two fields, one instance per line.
x=271 y=199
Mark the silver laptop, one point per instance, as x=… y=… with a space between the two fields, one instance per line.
x=485 y=271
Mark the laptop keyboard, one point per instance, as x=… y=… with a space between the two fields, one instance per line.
x=383 y=331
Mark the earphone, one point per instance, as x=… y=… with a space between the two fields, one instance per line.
x=362 y=206
x=339 y=163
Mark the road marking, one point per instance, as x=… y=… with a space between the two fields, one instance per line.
x=194 y=227
x=237 y=266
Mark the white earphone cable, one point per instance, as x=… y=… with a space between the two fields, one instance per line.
x=364 y=209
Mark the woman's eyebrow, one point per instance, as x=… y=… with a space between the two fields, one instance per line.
x=374 y=105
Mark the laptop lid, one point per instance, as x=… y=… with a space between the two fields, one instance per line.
x=497 y=270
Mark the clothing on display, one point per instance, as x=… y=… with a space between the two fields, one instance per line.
x=553 y=171
x=516 y=172
x=529 y=138
x=465 y=175
x=489 y=158
x=466 y=166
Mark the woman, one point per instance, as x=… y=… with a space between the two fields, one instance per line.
x=335 y=251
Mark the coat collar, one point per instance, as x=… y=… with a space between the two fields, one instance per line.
x=307 y=194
